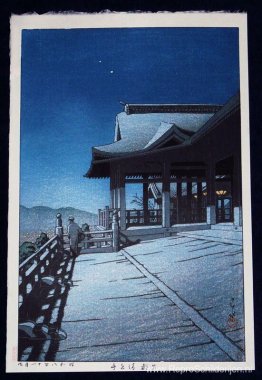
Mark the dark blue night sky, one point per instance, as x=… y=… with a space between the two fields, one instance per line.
x=73 y=80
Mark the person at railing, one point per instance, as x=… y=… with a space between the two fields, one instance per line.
x=73 y=231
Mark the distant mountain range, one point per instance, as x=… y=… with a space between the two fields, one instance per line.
x=42 y=218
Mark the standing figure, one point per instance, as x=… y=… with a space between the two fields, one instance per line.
x=73 y=231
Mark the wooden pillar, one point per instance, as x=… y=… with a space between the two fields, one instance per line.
x=104 y=217
x=115 y=229
x=145 y=202
x=122 y=202
x=178 y=196
x=112 y=187
x=189 y=188
x=112 y=191
x=211 y=193
x=115 y=186
x=107 y=217
x=166 y=196
x=189 y=198
x=199 y=200
x=116 y=205
x=99 y=216
x=118 y=196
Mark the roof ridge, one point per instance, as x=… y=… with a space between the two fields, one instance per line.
x=171 y=108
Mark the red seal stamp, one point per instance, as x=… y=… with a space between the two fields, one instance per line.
x=232 y=321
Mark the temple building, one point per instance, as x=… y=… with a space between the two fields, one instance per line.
x=186 y=158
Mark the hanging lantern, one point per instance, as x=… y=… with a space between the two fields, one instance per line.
x=221 y=192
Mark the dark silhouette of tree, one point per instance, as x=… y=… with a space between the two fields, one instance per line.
x=28 y=248
x=41 y=240
x=138 y=201
x=85 y=227
x=25 y=250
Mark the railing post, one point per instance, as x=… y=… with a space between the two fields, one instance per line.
x=107 y=218
x=99 y=216
x=115 y=229
x=103 y=218
x=59 y=230
x=110 y=218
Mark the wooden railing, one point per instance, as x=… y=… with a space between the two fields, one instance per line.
x=140 y=217
x=182 y=212
x=98 y=239
x=36 y=266
x=188 y=211
x=103 y=240
x=39 y=264
x=187 y=216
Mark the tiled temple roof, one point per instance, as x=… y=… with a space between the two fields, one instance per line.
x=231 y=106
x=138 y=132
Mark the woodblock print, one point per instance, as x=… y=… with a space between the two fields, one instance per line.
x=165 y=138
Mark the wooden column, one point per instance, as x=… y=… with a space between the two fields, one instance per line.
x=99 y=216
x=211 y=193
x=189 y=188
x=104 y=217
x=118 y=194
x=178 y=196
x=107 y=217
x=199 y=199
x=122 y=201
x=115 y=229
x=112 y=195
x=145 y=201
x=189 y=198
x=113 y=187
x=116 y=205
x=166 y=196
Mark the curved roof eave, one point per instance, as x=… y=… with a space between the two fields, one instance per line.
x=172 y=132
x=102 y=153
x=140 y=152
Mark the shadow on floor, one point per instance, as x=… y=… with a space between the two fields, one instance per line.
x=41 y=314
x=125 y=242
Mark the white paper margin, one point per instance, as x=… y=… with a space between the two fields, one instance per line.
x=122 y=20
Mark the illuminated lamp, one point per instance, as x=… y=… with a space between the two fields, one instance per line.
x=221 y=192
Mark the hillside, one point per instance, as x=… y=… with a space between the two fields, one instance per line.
x=43 y=219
